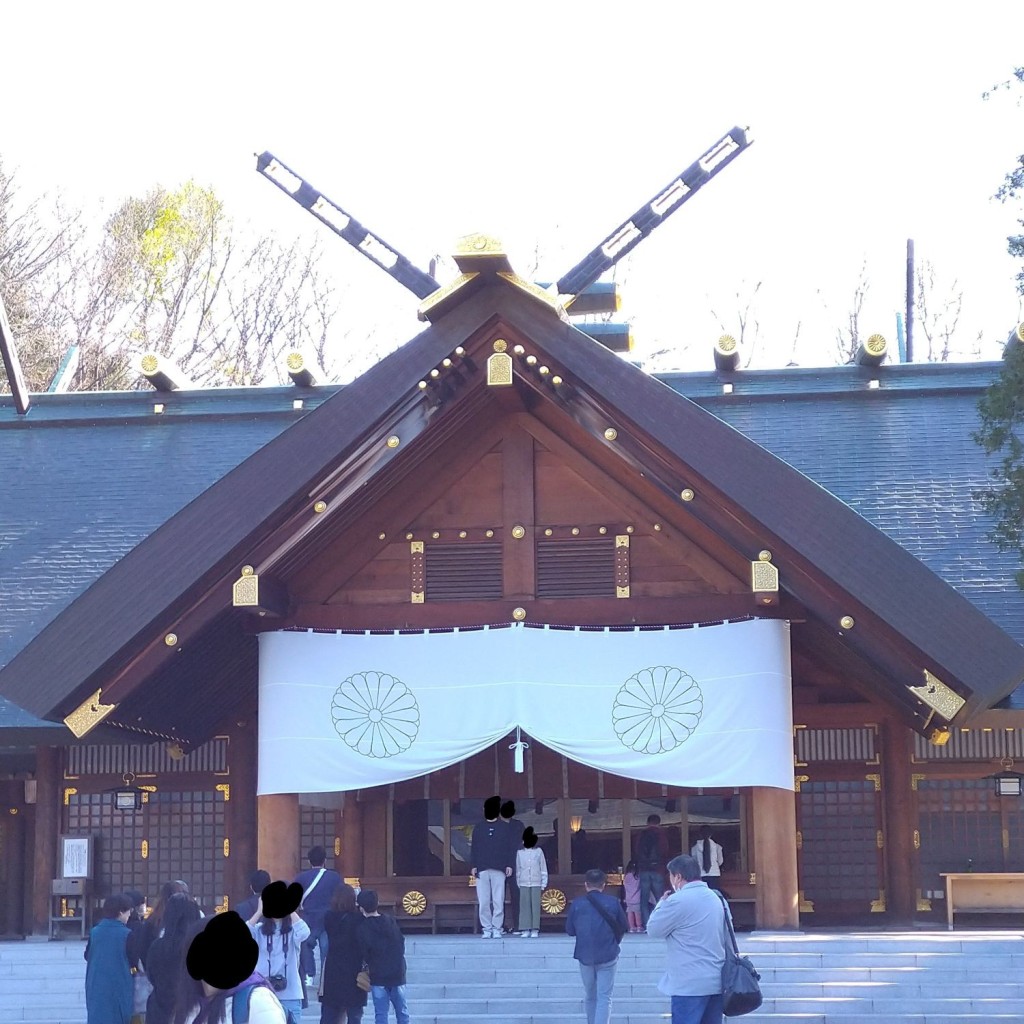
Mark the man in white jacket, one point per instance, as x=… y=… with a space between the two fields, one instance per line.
x=691 y=920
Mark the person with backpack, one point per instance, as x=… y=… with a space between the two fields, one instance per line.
x=220 y=984
x=650 y=851
x=598 y=922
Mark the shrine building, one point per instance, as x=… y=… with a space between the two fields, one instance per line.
x=236 y=623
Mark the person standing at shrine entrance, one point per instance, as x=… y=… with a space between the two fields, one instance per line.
x=708 y=854
x=490 y=865
x=650 y=851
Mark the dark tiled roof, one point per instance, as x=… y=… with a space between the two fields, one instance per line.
x=901 y=455
x=87 y=476
x=93 y=474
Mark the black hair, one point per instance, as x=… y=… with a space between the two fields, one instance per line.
x=180 y=914
x=367 y=900
x=631 y=868
x=653 y=819
x=508 y=809
x=259 y=880
x=595 y=878
x=705 y=831
x=529 y=837
x=316 y=856
x=492 y=807
x=221 y=952
x=116 y=904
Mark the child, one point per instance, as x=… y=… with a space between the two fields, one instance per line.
x=532 y=876
x=631 y=885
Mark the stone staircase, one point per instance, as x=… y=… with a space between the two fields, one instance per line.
x=810 y=978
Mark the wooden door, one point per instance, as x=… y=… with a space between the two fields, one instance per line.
x=839 y=847
x=963 y=825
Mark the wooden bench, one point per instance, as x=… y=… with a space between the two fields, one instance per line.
x=996 y=892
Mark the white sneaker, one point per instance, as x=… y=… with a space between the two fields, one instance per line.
x=534 y=935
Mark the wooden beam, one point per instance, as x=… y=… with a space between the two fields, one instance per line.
x=899 y=816
x=518 y=511
x=590 y=611
x=47 y=829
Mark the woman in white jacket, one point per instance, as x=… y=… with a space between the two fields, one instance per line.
x=532 y=876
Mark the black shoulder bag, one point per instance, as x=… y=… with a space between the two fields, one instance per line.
x=740 y=990
x=612 y=923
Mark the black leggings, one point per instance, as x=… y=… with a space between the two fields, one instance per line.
x=330 y=1014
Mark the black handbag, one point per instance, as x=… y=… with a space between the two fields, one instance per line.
x=740 y=990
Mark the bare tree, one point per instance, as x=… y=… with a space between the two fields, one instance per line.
x=167 y=272
x=936 y=315
x=848 y=336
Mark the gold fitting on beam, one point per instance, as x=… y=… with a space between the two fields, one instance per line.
x=847 y=622
x=687 y=494
x=319 y=506
x=171 y=639
x=88 y=715
x=245 y=591
x=610 y=434
x=938 y=696
x=393 y=441
x=519 y=614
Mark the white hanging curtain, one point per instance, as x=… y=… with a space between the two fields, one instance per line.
x=708 y=706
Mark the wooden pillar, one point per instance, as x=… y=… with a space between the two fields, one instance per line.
x=351 y=864
x=899 y=819
x=47 y=830
x=241 y=809
x=277 y=832
x=774 y=821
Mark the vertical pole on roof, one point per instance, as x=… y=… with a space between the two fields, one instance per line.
x=12 y=364
x=910 y=300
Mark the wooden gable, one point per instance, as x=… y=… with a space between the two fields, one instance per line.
x=576 y=435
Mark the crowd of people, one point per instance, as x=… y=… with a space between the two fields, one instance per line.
x=254 y=965
x=257 y=964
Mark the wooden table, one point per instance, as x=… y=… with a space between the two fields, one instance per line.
x=996 y=892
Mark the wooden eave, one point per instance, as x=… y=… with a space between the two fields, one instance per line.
x=178 y=581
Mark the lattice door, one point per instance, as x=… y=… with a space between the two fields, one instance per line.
x=964 y=826
x=839 y=842
x=176 y=834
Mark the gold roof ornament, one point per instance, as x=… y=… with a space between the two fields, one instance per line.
x=88 y=715
x=941 y=698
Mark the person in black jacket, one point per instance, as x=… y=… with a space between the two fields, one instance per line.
x=165 y=959
x=258 y=881
x=491 y=858
x=343 y=924
x=515 y=840
x=598 y=922
x=383 y=949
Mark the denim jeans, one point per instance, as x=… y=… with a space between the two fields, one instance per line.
x=650 y=882
x=598 y=980
x=317 y=936
x=697 y=1009
x=383 y=998
x=292 y=1010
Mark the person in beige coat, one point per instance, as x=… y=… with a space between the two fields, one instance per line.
x=532 y=877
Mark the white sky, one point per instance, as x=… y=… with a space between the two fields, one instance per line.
x=546 y=124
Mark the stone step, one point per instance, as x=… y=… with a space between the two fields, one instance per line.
x=899 y=979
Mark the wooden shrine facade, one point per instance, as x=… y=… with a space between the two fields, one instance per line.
x=502 y=467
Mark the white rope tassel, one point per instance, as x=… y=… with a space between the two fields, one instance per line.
x=519 y=746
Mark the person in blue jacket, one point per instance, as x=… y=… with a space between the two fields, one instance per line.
x=108 y=978
x=598 y=922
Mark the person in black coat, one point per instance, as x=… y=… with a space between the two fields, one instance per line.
x=343 y=924
x=165 y=959
x=383 y=949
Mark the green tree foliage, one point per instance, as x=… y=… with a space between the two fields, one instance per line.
x=167 y=273
x=1002 y=407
